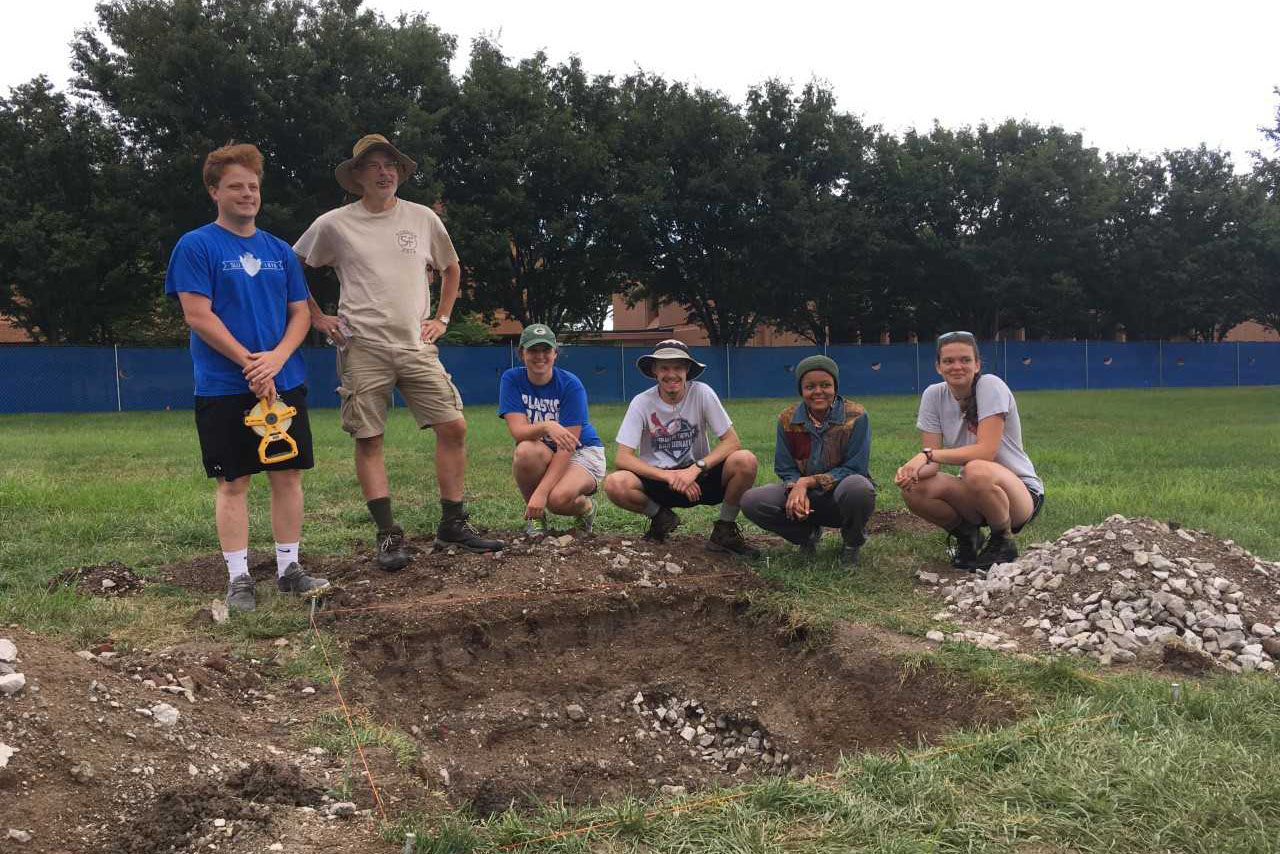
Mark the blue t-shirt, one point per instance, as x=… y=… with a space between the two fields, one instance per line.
x=250 y=281
x=564 y=399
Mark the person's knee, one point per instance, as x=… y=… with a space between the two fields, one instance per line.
x=370 y=446
x=286 y=480
x=531 y=453
x=451 y=432
x=741 y=462
x=563 y=498
x=617 y=484
x=980 y=474
x=755 y=501
x=237 y=488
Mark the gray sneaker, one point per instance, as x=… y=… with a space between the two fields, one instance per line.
x=587 y=521
x=240 y=595
x=535 y=526
x=298 y=583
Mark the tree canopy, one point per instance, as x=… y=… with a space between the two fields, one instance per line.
x=562 y=188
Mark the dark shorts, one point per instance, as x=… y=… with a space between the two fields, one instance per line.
x=1037 y=504
x=230 y=449
x=710 y=481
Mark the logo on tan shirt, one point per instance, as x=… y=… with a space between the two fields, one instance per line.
x=408 y=241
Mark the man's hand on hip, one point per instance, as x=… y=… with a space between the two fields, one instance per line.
x=432 y=330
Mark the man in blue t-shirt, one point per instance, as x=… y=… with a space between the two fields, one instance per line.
x=243 y=294
x=559 y=458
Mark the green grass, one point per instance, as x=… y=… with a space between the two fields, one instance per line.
x=1101 y=763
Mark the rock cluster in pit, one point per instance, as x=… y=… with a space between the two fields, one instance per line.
x=730 y=742
x=1113 y=590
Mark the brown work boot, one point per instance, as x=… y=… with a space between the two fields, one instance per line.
x=727 y=537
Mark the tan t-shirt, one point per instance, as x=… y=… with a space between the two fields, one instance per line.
x=381 y=260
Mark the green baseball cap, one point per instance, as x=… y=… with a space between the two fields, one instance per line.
x=536 y=333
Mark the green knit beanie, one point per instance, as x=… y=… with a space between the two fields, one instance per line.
x=817 y=362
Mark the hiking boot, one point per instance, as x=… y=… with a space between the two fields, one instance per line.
x=849 y=556
x=297 y=583
x=663 y=522
x=391 y=552
x=458 y=531
x=587 y=521
x=727 y=537
x=968 y=539
x=1000 y=548
x=240 y=596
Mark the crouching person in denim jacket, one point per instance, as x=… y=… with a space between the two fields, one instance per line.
x=821 y=456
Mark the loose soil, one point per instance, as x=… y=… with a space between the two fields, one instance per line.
x=574 y=667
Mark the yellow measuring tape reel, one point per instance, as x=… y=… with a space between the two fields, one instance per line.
x=272 y=423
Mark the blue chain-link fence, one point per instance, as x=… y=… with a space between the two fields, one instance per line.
x=97 y=379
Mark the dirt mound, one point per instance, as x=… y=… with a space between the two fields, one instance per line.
x=1113 y=589
x=110 y=579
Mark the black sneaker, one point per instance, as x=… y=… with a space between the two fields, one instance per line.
x=663 y=522
x=1000 y=548
x=391 y=552
x=850 y=556
x=968 y=540
x=727 y=537
x=458 y=531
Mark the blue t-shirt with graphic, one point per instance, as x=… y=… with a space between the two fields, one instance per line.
x=250 y=282
x=564 y=399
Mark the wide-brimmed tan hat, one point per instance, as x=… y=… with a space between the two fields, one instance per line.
x=345 y=173
x=670 y=349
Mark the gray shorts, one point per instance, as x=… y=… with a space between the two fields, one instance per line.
x=590 y=458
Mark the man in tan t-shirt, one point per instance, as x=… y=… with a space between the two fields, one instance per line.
x=381 y=247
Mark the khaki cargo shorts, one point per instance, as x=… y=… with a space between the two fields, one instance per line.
x=367 y=376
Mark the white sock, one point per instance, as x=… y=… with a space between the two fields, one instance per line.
x=237 y=563
x=286 y=553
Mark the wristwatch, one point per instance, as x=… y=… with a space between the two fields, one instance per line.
x=928 y=454
x=702 y=464
x=444 y=318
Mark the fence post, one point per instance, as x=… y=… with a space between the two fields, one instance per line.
x=115 y=348
x=728 y=376
x=917 y=365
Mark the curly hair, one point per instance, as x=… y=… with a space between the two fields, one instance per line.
x=239 y=154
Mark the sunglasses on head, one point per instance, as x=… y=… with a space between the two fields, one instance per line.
x=958 y=335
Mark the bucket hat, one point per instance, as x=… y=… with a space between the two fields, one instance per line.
x=670 y=349
x=345 y=173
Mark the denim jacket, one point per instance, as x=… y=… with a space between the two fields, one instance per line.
x=830 y=453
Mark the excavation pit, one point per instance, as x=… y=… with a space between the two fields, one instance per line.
x=529 y=679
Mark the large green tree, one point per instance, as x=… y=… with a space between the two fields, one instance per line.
x=72 y=219
x=688 y=204
x=301 y=80
x=526 y=172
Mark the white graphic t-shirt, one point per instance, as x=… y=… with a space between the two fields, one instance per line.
x=673 y=436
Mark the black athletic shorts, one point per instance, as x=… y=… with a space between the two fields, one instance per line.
x=230 y=449
x=711 y=482
x=1037 y=504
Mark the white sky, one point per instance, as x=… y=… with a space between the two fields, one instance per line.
x=1128 y=75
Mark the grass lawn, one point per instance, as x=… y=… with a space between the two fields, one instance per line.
x=1105 y=764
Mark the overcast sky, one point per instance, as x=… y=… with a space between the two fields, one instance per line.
x=1128 y=75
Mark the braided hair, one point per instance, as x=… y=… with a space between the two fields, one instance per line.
x=969 y=403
